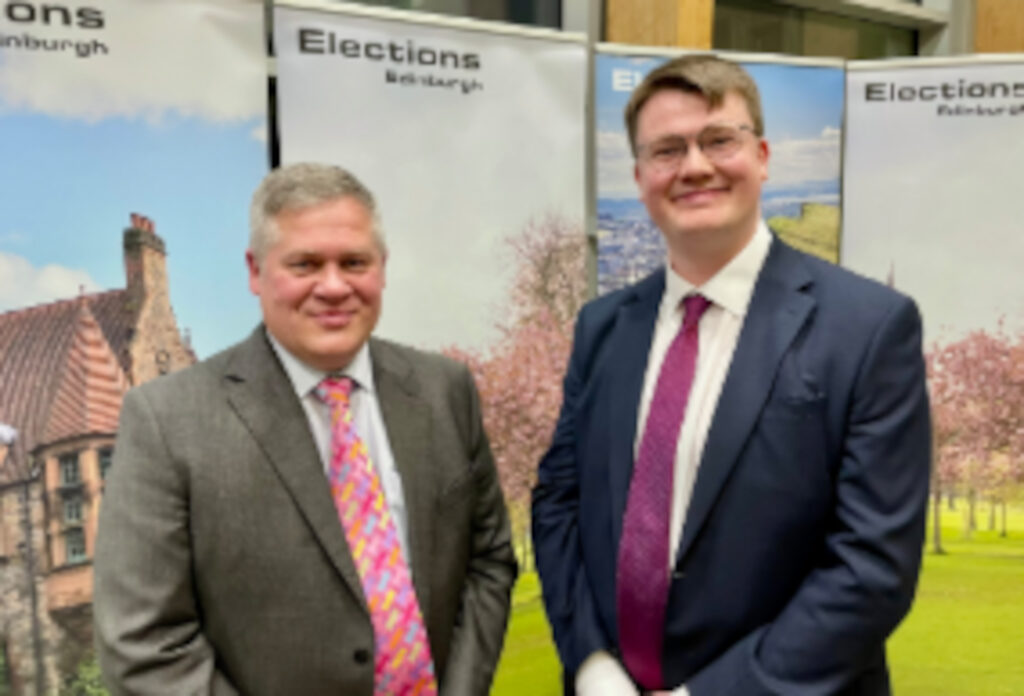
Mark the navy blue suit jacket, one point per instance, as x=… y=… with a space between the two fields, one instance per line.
x=803 y=539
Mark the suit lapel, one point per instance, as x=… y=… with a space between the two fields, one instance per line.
x=261 y=394
x=407 y=421
x=779 y=307
x=629 y=345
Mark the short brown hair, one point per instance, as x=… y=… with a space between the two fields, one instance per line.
x=707 y=75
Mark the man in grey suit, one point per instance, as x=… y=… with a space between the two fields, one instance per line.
x=224 y=561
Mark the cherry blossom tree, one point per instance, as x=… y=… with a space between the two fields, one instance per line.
x=520 y=377
x=977 y=393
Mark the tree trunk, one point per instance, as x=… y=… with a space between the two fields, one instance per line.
x=527 y=550
x=1002 y=504
x=951 y=501
x=972 y=512
x=937 y=523
x=992 y=515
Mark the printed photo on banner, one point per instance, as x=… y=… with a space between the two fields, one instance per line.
x=132 y=134
x=803 y=109
x=932 y=206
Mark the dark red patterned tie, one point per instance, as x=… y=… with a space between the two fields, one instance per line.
x=642 y=571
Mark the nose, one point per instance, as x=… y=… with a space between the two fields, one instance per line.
x=695 y=164
x=332 y=283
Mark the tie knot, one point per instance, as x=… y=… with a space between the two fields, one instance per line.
x=335 y=391
x=694 y=307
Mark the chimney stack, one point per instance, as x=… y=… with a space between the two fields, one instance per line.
x=144 y=258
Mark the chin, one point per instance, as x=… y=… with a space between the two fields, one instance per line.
x=328 y=362
x=697 y=226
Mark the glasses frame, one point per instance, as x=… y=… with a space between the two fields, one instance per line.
x=672 y=165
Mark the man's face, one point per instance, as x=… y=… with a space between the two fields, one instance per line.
x=320 y=282
x=700 y=196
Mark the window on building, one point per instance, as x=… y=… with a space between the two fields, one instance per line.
x=73 y=510
x=74 y=545
x=69 y=471
x=774 y=27
x=106 y=458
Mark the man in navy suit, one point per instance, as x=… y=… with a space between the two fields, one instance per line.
x=733 y=501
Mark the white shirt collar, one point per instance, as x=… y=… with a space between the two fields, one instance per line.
x=732 y=286
x=305 y=379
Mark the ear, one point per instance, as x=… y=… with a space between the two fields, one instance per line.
x=383 y=269
x=254 y=272
x=763 y=155
x=636 y=173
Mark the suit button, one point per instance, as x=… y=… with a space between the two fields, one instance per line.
x=361 y=656
x=678 y=575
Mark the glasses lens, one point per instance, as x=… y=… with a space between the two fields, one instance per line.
x=719 y=142
x=666 y=154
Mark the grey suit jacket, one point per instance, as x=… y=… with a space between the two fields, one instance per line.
x=221 y=566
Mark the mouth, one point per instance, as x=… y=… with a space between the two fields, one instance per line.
x=333 y=318
x=699 y=196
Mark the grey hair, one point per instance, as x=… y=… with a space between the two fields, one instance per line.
x=298 y=186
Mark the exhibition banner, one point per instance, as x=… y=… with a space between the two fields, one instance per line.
x=802 y=101
x=132 y=133
x=932 y=195
x=932 y=206
x=470 y=135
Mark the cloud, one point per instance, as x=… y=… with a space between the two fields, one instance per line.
x=202 y=60
x=259 y=133
x=23 y=285
x=826 y=198
x=792 y=162
x=614 y=166
x=802 y=161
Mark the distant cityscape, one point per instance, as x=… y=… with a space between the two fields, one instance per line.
x=629 y=246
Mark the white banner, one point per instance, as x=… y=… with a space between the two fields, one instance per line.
x=932 y=198
x=466 y=134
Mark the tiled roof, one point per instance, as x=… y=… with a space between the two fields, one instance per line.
x=88 y=398
x=35 y=354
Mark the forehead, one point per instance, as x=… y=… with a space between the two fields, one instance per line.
x=668 y=108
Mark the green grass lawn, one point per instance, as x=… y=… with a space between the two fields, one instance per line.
x=963 y=637
x=965 y=634
x=529 y=664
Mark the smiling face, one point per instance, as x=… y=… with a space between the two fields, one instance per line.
x=701 y=204
x=320 y=281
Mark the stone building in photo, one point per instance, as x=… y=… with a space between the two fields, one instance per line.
x=64 y=368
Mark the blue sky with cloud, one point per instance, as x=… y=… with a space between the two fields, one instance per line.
x=87 y=142
x=803 y=107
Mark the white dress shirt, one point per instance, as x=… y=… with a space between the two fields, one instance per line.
x=366 y=418
x=729 y=291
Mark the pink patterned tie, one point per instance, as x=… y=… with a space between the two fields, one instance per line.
x=642 y=570
x=402 y=664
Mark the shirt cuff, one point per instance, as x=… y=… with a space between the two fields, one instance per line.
x=602 y=675
x=681 y=691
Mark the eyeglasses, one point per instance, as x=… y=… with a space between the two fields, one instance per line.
x=717 y=142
